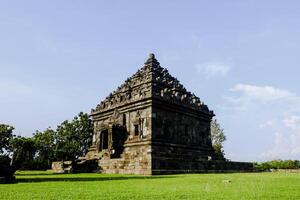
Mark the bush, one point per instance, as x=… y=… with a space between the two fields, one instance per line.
x=277 y=164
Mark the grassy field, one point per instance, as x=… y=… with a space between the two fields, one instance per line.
x=44 y=185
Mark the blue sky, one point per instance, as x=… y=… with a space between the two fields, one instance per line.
x=58 y=58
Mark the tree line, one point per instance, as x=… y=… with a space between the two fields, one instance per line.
x=277 y=164
x=70 y=140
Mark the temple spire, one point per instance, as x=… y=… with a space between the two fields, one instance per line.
x=151 y=55
x=151 y=61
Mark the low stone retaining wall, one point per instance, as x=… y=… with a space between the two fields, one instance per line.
x=207 y=167
x=114 y=166
x=62 y=167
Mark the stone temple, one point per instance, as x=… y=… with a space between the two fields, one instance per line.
x=152 y=125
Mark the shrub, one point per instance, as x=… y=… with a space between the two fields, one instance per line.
x=277 y=164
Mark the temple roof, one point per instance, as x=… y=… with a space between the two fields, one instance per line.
x=152 y=81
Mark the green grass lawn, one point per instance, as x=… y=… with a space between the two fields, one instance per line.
x=44 y=185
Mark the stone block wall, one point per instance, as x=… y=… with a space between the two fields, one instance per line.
x=180 y=127
x=212 y=166
x=62 y=167
x=136 y=159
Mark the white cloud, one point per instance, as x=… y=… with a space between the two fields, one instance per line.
x=279 y=149
x=247 y=96
x=213 y=69
x=292 y=122
x=262 y=93
x=269 y=123
x=281 y=110
x=286 y=142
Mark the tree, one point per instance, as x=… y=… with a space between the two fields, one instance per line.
x=45 y=144
x=23 y=152
x=70 y=140
x=218 y=137
x=73 y=138
x=6 y=135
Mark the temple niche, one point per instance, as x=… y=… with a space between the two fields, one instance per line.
x=152 y=125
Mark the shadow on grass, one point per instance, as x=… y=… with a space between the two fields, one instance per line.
x=84 y=179
x=37 y=174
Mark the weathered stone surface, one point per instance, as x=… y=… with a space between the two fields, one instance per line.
x=62 y=167
x=152 y=125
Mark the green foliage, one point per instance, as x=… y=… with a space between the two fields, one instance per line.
x=45 y=144
x=73 y=138
x=40 y=185
x=23 y=152
x=277 y=164
x=70 y=140
x=218 y=137
x=5 y=138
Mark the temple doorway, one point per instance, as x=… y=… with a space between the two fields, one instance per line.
x=103 y=140
x=119 y=136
